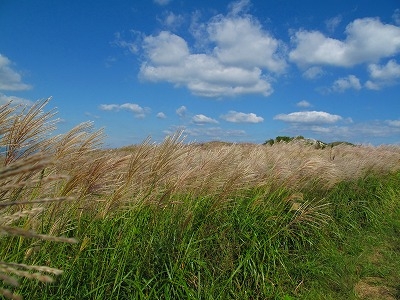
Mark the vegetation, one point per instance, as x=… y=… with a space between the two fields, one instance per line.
x=300 y=139
x=188 y=221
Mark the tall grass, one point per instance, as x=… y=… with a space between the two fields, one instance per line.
x=177 y=219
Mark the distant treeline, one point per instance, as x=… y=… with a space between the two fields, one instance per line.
x=318 y=144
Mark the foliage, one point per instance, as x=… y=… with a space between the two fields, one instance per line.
x=316 y=143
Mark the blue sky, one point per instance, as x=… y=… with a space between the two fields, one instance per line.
x=242 y=71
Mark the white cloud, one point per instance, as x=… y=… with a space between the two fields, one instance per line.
x=387 y=72
x=345 y=83
x=309 y=117
x=383 y=75
x=240 y=117
x=139 y=111
x=162 y=2
x=242 y=42
x=313 y=73
x=161 y=115
x=303 y=103
x=202 y=119
x=10 y=80
x=181 y=111
x=238 y=58
x=4 y=99
x=166 y=49
x=368 y=40
x=204 y=75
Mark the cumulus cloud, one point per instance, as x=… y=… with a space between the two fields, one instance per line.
x=181 y=111
x=202 y=119
x=345 y=83
x=10 y=80
x=303 y=103
x=242 y=42
x=165 y=49
x=240 y=59
x=309 y=117
x=161 y=115
x=383 y=75
x=240 y=117
x=368 y=40
x=138 y=111
x=387 y=72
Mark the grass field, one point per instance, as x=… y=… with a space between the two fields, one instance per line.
x=177 y=220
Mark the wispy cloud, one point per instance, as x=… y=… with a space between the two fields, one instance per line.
x=332 y=23
x=10 y=79
x=396 y=16
x=162 y=2
x=238 y=7
x=132 y=43
x=240 y=117
x=181 y=111
x=136 y=109
x=171 y=21
x=303 y=103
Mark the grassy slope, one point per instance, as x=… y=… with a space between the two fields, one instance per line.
x=251 y=247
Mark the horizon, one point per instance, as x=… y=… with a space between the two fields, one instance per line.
x=233 y=71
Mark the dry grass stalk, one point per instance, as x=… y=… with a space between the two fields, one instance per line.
x=24 y=174
x=156 y=171
x=28 y=132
